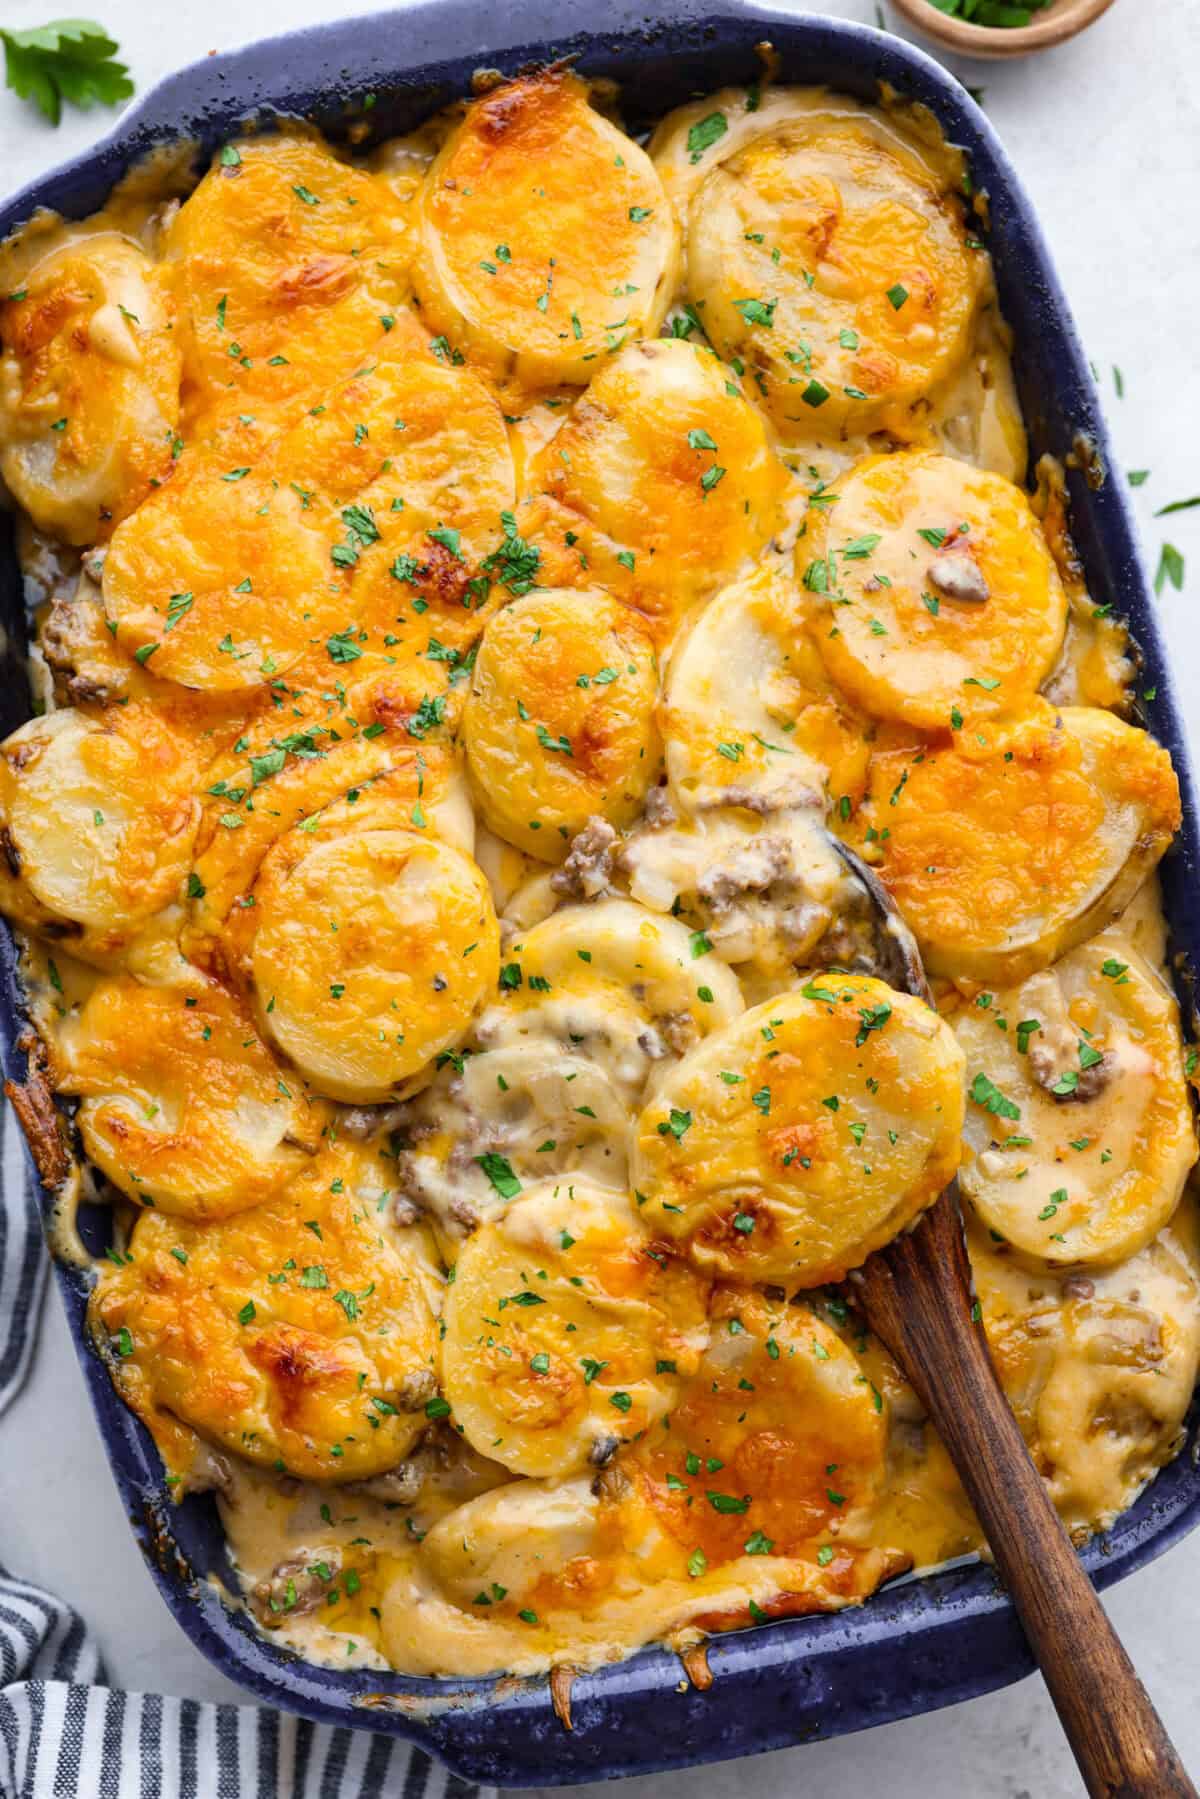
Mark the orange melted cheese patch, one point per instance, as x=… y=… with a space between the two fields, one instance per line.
x=295 y=1335
x=546 y=238
x=661 y=485
x=560 y=723
x=1012 y=845
x=372 y=952
x=938 y=596
x=183 y=1106
x=89 y=386
x=774 y=1442
x=290 y=265
x=238 y=569
x=319 y=782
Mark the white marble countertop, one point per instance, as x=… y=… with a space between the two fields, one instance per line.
x=1105 y=132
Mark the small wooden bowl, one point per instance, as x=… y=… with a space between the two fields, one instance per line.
x=993 y=43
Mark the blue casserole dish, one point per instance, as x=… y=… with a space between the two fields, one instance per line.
x=911 y=1648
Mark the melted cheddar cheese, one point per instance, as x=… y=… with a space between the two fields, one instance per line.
x=470 y=587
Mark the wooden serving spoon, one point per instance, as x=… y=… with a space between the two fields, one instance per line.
x=916 y=1295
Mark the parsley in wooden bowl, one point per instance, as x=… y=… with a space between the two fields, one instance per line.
x=996 y=29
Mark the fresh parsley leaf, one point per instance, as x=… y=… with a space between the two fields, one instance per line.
x=68 y=59
x=1170 y=568
x=499 y=1172
x=704 y=134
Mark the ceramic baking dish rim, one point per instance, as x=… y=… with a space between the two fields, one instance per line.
x=916 y=1645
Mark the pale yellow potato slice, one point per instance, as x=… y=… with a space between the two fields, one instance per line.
x=1079 y=1122
x=98 y=816
x=512 y=1538
x=937 y=598
x=296 y=1335
x=546 y=240
x=547 y=1111
x=89 y=386
x=749 y=714
x=1022 y=838
x=372 y=953
x=257 y=794
x=1099 y=1366
x=761 y=892
x=789 y=1145
x=560 y=727
x=568 y=1329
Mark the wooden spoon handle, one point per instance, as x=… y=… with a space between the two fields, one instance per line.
x=916 y=1297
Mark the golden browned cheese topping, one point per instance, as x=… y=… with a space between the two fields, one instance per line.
x=560 y=725
x=544 y=234
x=290 y=266
x=831 y=263
x=1009 y=845
x=295 y=1334
x=474 y=586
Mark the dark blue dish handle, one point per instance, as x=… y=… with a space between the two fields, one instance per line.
x=915 y=1646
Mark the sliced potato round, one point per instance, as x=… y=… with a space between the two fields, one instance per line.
x=545 y=1111
x=471 y=1601
x=290 y=263
x=223 y=582
x=546 y=239
x=559 y=727
x=749 y=714
x=295 y=1335
x=89 y=386
x=939 y=595
x=254 y=557
x=805 y=1134
x=568 y=1329
x=1099 y=1367
x=661 y=485
x=830 y=260
x=1079 y=1127
x=505 y=1581
x=184 y=1108
x=98 y=817
x=773 y=1442
x=1008 y=848
x=512 y=1538
x=371 y=955
x=615 y=984
x=272 y=794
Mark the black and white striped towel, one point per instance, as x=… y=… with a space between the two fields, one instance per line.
x=66 y=1734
